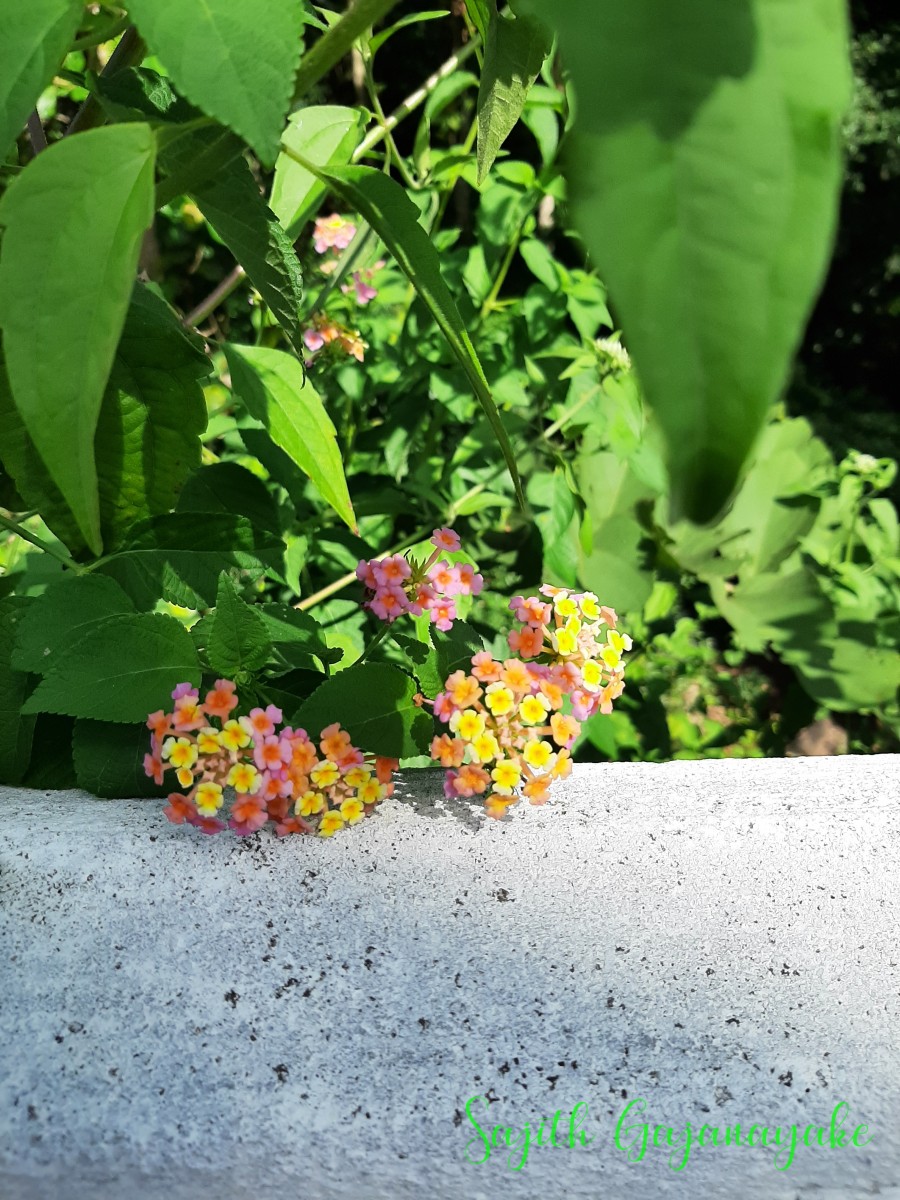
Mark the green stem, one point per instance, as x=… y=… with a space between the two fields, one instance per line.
x=338 y=41
x=129 y=52
x=26 y=535
x=379 y=637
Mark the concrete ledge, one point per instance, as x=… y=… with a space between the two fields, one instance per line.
x=190 y=1017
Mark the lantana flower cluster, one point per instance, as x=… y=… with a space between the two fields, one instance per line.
x=324 y=331
x=242 y=772
x=396 y=585
x=512 y=723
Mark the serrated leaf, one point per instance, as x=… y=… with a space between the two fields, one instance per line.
x=109 y=760
x=74 y=222
x=374 y=703
x=65 y=612
x=327 y=135
x=275 y=391
x=705 y=179
x=139 y=94
x=230 y=488
x=298 y=637
x=234 y=206
x=36 y=35
x=514 y=53
x=16 y=729
x=238 y=641
x=180 y=556
x=235 y=59
x=120 y=670
x=384 y=204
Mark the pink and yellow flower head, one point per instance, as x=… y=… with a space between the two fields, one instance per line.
x=396 y=586
x=513 y=723
x=242 y=772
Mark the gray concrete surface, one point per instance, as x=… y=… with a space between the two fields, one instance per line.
x=194 y=1017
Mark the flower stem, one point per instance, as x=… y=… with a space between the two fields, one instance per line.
x=379 y=637
x=26 y=535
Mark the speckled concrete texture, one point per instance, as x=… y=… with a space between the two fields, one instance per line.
x=189 y=1017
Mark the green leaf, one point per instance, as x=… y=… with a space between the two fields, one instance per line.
x=705 y=179
x=481 y=12
x=139 y=94
x=36 y=35
x=109 y=760
x=229 y=488
x=384 y=204
x=410 y=19
x=147 y=436
x=120 y=670
x=276 y=392
x=74 y=222
x=782 y=608
x=327 y=135
x=612 y=563
x=238 y=642
x=65 y=612
x=235 y=59
x=51 y=767
x=847 y=674
x=180 y=556
x=234 y=206
x=16 y=729
x=557 y=519
x=374 y=703
x=298 y=637
x=514 y=52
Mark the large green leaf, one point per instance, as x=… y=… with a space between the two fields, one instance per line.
x=120 y=670
x=514 y=52
x=179 y=557
x=35 y=37
x=229 y=488
x=235 y=59
x=705 y=175
x=65 y=612
x=389 y=211
x=234 y=206
x=276 y=392
x=16 y=729
x=374 y=703
x=327 y=135
x=238 y=641
x=74 y=222
x=298 y=637
x=109 y=759
x=147 y=436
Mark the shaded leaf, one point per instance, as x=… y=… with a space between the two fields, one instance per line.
x=109 y=760
x=232 y=203
x=180 y=556
x=120 y=670
x=16 y=729
x=234 y=59
x=228 y=487
x=74 y=222
x=705 y=178
x=374 y=703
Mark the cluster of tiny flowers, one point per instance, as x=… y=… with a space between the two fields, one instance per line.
x=508 y=731
x=324 y=331
x=397 y=585
x=362 y=284
x=239 y=773
x=332 y=233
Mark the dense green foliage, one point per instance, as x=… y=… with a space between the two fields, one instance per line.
x=215 y=400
